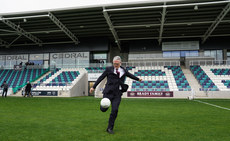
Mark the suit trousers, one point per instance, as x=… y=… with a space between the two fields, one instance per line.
x=115 y=102
x=28 y=93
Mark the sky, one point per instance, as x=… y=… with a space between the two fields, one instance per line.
x=20 y=6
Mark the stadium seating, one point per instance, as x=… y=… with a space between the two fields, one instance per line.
x=63 y=78
x=226 y=83
x=204 y=80
x=158 y=78
x=48 y=76
x=179 y=77
x=149 y=73
x=18 y=78
x=161 y=78
x=221 y=71
x=95 y=69
x=150 y=86
x=58 y=79
x=101 y=69
x=212 y=78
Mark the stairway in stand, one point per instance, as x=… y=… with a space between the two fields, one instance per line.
x=193 y=82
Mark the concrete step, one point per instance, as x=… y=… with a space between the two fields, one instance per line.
x=18 y=93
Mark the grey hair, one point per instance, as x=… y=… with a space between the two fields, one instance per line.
x=117 y=58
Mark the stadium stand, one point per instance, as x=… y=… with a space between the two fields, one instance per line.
x=59 y=79
x=212 y=78
x=101 y=69
x=158 y=78
x=47 y=76
x=17 y=79
x=95 y=69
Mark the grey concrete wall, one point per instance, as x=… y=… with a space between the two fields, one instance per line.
x=115 y=51
x=81 y=87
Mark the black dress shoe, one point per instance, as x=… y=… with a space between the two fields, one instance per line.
x=110 y=131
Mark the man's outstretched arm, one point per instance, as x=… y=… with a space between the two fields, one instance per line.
x=133 y=76
x=104 y=74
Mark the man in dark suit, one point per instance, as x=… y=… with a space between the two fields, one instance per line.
x=5 y=89
x=28 y=89
x=114 y=88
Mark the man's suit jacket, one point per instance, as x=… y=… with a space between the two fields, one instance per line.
x=113 y=81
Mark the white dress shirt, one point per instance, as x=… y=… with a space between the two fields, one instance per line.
x=122 y=71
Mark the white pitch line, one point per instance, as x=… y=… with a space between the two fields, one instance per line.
x=212 y=105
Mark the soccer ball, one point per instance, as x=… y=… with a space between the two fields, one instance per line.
x=105 y=103
x=190 y=98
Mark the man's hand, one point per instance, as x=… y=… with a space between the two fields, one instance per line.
x=91 y=90
x=140 y=80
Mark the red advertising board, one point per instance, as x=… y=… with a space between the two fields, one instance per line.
x=150 y=94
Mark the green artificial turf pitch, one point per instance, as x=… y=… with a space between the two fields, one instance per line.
x=138 y=119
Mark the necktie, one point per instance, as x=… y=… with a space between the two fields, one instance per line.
x=118 y=73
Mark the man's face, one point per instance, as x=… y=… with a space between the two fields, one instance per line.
x=116 y=64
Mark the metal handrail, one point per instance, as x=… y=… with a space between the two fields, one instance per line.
x=209 y=62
